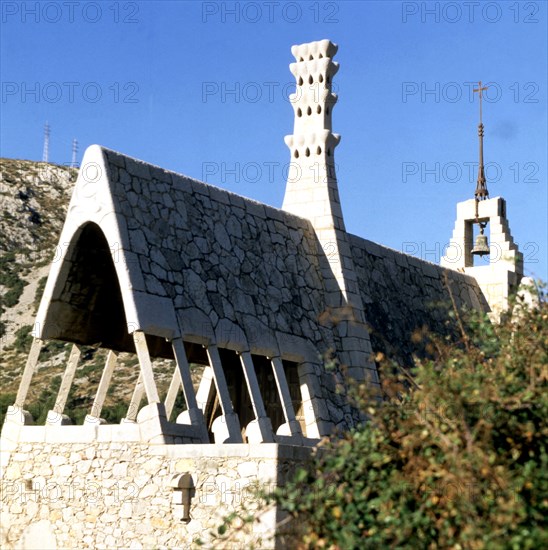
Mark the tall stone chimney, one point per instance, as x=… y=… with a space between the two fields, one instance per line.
x=312 y=192
x=311 y=189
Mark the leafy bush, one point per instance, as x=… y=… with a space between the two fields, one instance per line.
x=453 y=457
x=11 y=297
x=114 y=413
x=6 y=399
x=23 y=339
x=53 y=347
x=9 y=277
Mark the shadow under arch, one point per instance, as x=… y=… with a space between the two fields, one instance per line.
x=87 y=307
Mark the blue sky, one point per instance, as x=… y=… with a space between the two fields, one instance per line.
x=201 y=88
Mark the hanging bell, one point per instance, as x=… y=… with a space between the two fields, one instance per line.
x=481 y=247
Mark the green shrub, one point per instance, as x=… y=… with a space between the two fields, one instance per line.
x=52 y=348
x=454 y=456
x=6 y=399
x=45 y=402
x=9 y=277
x=114 y=413
x=11 y=297
x=23 y=339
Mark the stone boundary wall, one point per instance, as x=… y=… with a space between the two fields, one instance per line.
x=118 y=495
x=402 y=295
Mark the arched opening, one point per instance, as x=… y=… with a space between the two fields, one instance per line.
x=87 y=306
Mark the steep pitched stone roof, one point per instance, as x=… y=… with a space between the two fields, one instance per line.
x=196 y=260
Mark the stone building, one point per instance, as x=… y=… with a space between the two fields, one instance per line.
x=160 y=265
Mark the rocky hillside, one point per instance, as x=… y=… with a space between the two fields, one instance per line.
x=34 y=197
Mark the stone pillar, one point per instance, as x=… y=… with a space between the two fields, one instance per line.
x=291 y=426
x=104 y=384
x=312 y=193
x=56 y=416
x=260 y=429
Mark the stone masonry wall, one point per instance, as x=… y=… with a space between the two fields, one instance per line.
x=403 y=294
x=222 y=256
x=118 y=495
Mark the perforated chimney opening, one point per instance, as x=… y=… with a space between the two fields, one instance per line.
x=311 y=79
x=296 y=154
x=321 y=78
x=321 y=56
x=319 y=109
x=309 y=111
x=307 y=152
x=300 y=81
x=319 y=151
x=299 y=112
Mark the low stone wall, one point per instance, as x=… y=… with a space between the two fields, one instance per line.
x=119 y=495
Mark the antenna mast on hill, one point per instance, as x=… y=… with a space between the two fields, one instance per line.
x=73 y=163
x=45 y=155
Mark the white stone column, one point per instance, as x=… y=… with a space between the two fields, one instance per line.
x=183 y=378
x=136 y=398
x=204 y=389
x=145 y=364
x=260 y=430
x=226 y=427
x=102 y=389
x=292 y=426
x=30 y=369
x=56 y=416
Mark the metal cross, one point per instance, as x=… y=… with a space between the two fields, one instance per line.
x=481 y=187
x=480 y=90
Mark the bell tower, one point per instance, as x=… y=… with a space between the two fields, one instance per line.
x=312 y=192
x=502 y=275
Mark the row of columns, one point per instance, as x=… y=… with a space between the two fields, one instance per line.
x=226 y=428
